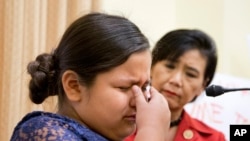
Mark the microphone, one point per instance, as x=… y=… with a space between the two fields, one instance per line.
x=215 y=90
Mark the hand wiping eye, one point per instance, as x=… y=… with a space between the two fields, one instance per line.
x=148 y=95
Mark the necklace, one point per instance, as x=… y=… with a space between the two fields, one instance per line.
x=175 y=122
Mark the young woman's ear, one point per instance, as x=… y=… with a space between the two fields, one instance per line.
x=71 y=86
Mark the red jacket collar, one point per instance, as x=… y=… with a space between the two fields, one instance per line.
x=189 y=122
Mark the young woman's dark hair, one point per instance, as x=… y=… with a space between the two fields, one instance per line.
x=175 y=43
x=93 y=44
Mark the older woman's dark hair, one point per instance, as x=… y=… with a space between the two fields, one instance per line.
x=175 y=43
x=93 y=44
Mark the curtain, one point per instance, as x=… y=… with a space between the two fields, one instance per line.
x=29 y=28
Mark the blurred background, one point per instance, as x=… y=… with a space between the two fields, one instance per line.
x=31 y=27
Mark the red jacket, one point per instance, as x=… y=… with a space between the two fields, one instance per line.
x=191 y=129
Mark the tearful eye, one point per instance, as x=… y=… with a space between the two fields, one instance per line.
x=146 y=88
x=124 y=88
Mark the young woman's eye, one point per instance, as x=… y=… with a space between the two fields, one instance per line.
x=124 y=88
x=146 y=88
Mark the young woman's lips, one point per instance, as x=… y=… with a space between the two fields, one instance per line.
x=131 y=117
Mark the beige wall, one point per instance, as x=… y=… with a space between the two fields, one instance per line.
x=227 y=21
x=29 y=28
x=153 y=17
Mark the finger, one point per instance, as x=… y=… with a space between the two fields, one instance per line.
x=153 y=91
x=139 y=97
